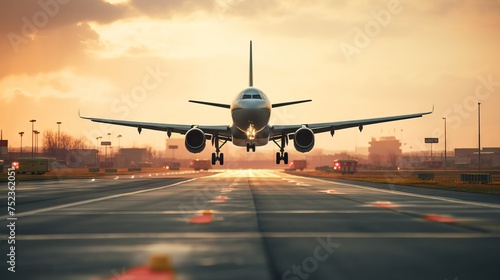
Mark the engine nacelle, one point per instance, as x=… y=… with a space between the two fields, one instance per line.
x=195 y=140
x=303 y=140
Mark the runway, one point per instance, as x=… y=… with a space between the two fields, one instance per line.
x=265 y=225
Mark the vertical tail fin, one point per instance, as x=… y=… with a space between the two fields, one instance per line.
x=250 y=78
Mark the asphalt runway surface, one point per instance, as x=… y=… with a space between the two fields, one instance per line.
x=265 y=225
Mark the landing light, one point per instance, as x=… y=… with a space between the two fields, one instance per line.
x=251 y=132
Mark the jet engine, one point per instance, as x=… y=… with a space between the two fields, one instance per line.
x=303 y=140
x=195 y=140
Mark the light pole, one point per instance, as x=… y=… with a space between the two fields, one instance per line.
x=119 y=136
x=479 y=133
x=32 y=133
x=118 y=151
x=109 y=139
x=21 y=134
x=58 y=137
x=97 y=159
x=444 y=142
x=36 y=141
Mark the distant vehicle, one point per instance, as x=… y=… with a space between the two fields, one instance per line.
x=345 y=166
x=172 y=165
x=144 y=164
x=199 y=164
x=38 y=165
x=298 y=164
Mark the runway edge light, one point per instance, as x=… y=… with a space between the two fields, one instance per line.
x=159 y=267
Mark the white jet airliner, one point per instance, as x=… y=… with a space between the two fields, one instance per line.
x=251 y=111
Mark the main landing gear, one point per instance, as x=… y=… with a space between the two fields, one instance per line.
x=281 y=155
x=217 y=156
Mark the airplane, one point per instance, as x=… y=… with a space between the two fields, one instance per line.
x=250 y=113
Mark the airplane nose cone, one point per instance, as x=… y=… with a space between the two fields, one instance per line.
x=244 y=117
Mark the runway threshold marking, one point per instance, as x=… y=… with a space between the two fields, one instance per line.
x=226 y=235
x=38 y=211
x=409 y=194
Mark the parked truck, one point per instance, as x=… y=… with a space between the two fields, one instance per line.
x=37 y=165
x=173 y=165
x=298 y=164
x=345 y=166
x=199 y=164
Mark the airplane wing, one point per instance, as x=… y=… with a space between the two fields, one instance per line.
x=221 y=130
x=227 y=106
x=279 y=130
x=275 y=105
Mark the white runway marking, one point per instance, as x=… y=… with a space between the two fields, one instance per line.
x=38 y=211
x=246 y=173
x=225 y=235
x=451 y=200
x=99 y=212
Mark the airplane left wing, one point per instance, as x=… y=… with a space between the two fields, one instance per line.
x=222 y=130
x=279 y=130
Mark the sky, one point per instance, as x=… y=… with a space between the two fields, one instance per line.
x=143 y=60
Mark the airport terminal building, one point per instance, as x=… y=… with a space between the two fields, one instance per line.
x=469 y=157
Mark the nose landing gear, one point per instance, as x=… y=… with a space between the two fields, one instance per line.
x=250 y=147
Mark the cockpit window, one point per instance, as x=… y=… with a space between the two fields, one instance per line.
x=251 y=93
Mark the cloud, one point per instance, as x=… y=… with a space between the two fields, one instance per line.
x=65 y=84
x=165 y=9
x=51 y=50
x=47 y=35
x=14 y=14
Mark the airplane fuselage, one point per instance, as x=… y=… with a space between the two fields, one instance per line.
x=250 y=112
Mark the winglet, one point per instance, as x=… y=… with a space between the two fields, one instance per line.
x=250 y=78
x=79 y=115
x=430 y=112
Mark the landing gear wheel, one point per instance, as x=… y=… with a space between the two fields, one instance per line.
x=221 y=159
x=214 y=159
x=278 y=158
x=285 y=158
x=253 y=148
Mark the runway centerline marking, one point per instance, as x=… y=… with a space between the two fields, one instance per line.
x=38 y=211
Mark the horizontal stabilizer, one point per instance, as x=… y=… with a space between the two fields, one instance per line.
x=290 y=103
x=227 y=106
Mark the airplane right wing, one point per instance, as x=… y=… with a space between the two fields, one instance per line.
x=279 y=130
